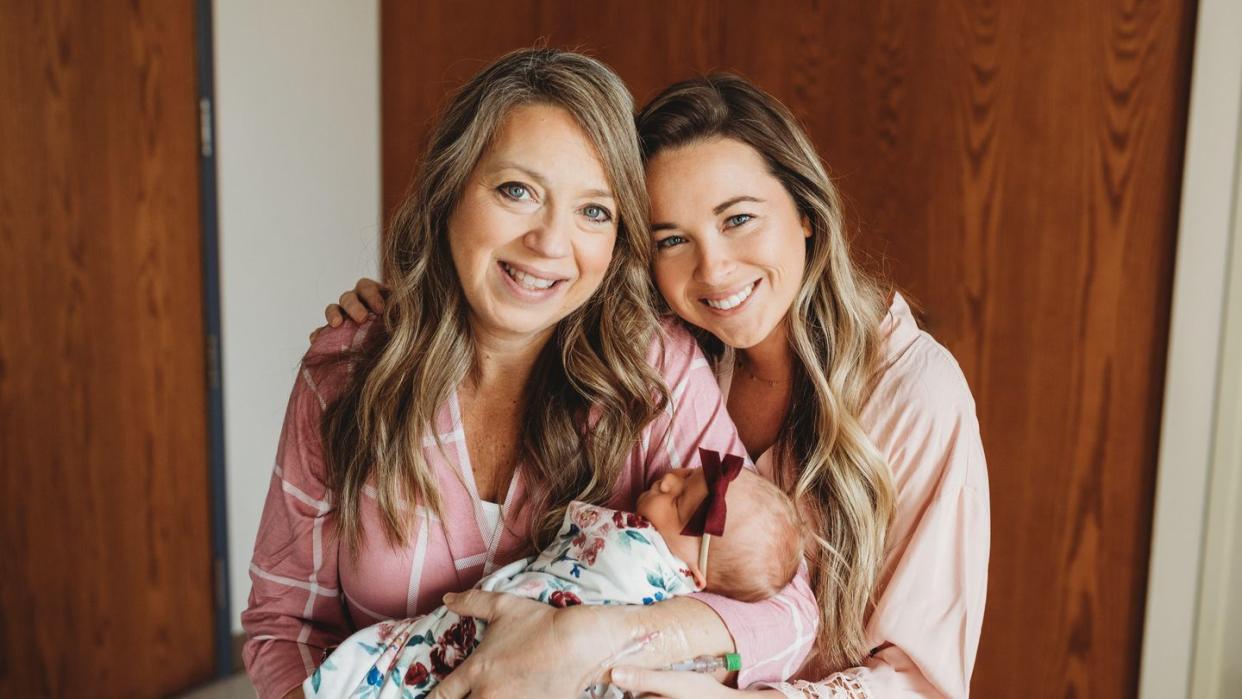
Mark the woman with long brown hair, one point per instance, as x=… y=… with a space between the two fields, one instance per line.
x=518 y=366
x=836 y=393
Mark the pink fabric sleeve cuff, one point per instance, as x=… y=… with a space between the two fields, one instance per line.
x=773 y=637
x=281 y=669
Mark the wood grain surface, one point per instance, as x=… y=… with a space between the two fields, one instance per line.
x=106 y=582
x=1015 y=168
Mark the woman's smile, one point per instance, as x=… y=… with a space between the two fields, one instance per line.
x=730 y=242
x=731 y=302
x=533 y=235
x=531 y=284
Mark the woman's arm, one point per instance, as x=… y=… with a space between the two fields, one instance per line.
x=928 y=617
x=775 y=636
x=534 y=650
x=295 y=611
x=929 y=612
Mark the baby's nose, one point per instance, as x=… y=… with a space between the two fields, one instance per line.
x=670 y=482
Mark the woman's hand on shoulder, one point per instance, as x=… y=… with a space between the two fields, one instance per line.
x=365 y=298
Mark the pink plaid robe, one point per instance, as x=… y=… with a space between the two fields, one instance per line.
x=302 y=587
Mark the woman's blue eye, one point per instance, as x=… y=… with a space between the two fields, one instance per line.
x=514 y=190
x=597 y=213
x=669 y=242
x=739 y=219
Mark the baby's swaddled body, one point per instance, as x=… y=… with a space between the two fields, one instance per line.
x=599 y=556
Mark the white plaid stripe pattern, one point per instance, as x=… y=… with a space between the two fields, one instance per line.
x=296 y=605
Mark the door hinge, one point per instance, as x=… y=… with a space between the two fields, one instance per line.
x=204 y=127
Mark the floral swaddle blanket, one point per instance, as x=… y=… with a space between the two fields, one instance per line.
x=599 y=556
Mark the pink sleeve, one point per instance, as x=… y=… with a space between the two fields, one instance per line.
x=695 y=415
x=774 y=636
x=295 y=610
x=927 y=619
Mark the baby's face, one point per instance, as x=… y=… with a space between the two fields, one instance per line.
x=670 y=503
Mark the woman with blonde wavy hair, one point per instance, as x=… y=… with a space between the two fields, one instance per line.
x=836 y=393
x=518 y=366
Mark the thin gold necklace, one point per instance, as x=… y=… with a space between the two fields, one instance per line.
x=770 y=383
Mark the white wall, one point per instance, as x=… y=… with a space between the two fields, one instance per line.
x=1181 y=542
x=297 y=141
x=1216 y=673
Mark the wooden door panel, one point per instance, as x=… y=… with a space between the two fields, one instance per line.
x=1018 y=171
x=442 y=45
x=106 y=540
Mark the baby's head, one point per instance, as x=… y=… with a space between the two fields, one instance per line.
x=761 y=548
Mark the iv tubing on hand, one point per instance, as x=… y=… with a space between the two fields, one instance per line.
x=709 y=663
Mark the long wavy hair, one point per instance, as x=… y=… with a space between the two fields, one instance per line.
x=594 y=370
x=841 y=483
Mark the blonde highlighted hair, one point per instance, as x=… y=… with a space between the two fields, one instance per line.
x=595 y=368
x=841 y=484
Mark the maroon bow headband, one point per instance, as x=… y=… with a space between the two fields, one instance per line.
x=710 y=517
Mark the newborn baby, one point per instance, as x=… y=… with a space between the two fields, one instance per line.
x=675 y=544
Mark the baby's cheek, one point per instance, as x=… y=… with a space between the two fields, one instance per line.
x=680 y=546
x=648 y=507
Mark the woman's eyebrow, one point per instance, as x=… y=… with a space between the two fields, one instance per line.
x=661 y=226
x=730 y=202
x=543 y=181
x=510 y=165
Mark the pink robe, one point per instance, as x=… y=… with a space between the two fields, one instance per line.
x=306 y=598
x=933 y=583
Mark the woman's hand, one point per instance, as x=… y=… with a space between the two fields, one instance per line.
x=530 y=649
x=668 y=684
x=367 y=297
